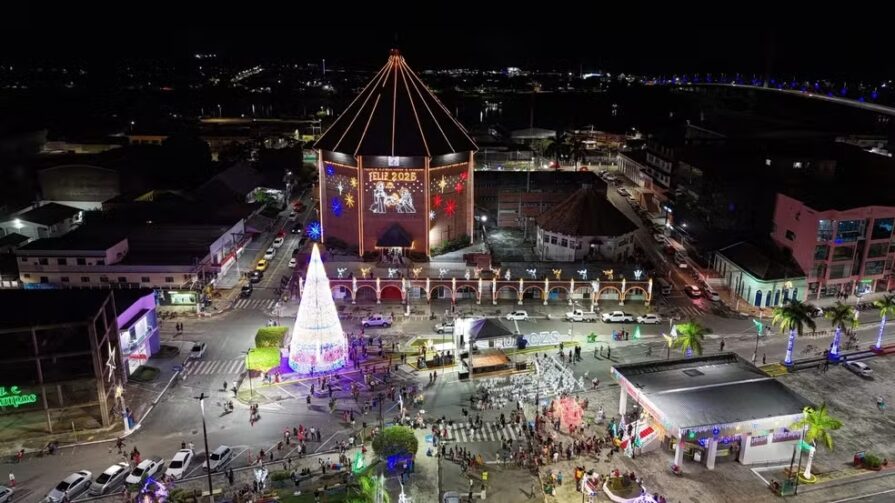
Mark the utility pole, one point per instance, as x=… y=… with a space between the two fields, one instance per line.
x=201 y=399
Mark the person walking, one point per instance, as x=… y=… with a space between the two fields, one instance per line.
x=12 y=479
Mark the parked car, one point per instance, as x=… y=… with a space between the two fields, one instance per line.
x=278 y=242
x=622 y=192
x=859 y=368
x=270 y=253
x=712 y=295
x=6 y=494
x=581 y=315
x=246 y=290
x=681 y=263
x=447 y=326
x=693 y=291
x=377 y=320
x=617 y=317
x=147 y=468
x=256 y=276
x=450 y=497
x=198 y=350
x=219 y=457
x=73 y=486
x=179 y=463
x=109 y=479
x=262 y=265
x=649 y=319
x=292 y=262
x=518 y=315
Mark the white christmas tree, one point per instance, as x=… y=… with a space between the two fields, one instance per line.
x=318 y=342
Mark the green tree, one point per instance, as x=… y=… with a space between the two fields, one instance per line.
x=886 y=306
x=842 y=317
x=270 y=337
x=395 y=441
x=690 y=337
x=793 y=317
x=817 y=424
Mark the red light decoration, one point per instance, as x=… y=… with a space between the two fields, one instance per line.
x=464 y=176
x=436 y=201
x=458 y=187
x=450 y=207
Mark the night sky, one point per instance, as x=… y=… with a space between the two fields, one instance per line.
x=516 y=35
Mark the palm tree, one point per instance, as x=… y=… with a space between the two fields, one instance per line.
x=689 y=338
x=842 y=317
x=793 y=317
x=816 y=423
x=886 y=306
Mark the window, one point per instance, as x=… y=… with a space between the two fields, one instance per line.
x=882 y=228
x=824 y=230
x=103 y=279
x=144 y=279
x=553 y=240
x=64 y=279
x=877 y=250
x=790 y=235
x=839 y=271
x=122 y=279
x=843 y=252
x=821 y=252
x=43 y=261
x=85 y=279
x=564 y=243
x=874 y=267
x=62 y=261
x=81 y=261
x=850 y=230
x=44 y=279
x=169 y=279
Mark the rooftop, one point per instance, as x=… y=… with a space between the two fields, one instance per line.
x=13 y=239
x=587 y=212
x=762 y=262
x=709 y=390
x=85 y=238
x=396 y=115
x=26 y=308
x=536 y=181
x=49 y=214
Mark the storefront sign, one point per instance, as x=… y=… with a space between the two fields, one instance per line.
x=786 y=436
x=13 y=397
x=756 y=441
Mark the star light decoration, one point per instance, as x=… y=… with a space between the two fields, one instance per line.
x=337 y=206
x=330 y=170
x=450 y=208
x=110 y=363
x=349 y=200
x=436 y=201
x=432 y=215
x=353 y=182
x=442 y=184
x=458 y=187
x=340 y=187
x=314 y=230
x=464 y=176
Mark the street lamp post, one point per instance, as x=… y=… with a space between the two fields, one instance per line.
x=379 y=398
x=249 y=373
x=201 y=399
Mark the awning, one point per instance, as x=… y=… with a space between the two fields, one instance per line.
x=394 y=237
x=488 y=328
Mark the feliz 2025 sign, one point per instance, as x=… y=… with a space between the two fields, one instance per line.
x=13 y=397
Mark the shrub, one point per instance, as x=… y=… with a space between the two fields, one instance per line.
x=395 y=441
x=279 y=475
x=872 y=461
x=270 y=337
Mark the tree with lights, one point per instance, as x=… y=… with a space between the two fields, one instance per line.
x=842 y=317
x=318 y=342
x=793 y=317
x=886 y=306
x=689 y=338
x=817 y=424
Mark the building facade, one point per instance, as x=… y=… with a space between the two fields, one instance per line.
x=848 y=251
x=43 y=221
x=395 y=169
x=758 y=279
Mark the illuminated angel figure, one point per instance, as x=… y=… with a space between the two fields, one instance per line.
x=380 y=198
x=405 y=203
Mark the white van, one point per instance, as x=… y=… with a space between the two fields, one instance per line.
x=664 y=286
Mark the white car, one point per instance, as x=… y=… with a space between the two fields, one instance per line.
x=712 y=296
x=219 y=457
x=447 y=326
x=681 y=263
x=179 y=463
x=693 y=291
x=109 y=479
x=73 y=486
x=518 y=316
x=377 y=320
x=147 y=468
x=278 y=242
x=859 y=368
x=270 y=253
x=6 y=494
x=292 y=262
x=649 y=319
x=198 y=350
x=617 y=317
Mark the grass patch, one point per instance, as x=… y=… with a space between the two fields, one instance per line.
x=270 y=337
x=263 y=359
x=145 y=373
